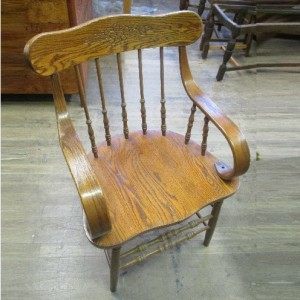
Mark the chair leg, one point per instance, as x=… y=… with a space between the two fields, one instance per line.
x=208 y=31
x=201 y=7
x=248 y=44
x=184 y=4
x=226 y=57
x=114 y=268
x=249 y=38
x=212 y=223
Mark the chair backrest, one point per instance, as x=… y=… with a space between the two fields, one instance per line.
x=50 y=53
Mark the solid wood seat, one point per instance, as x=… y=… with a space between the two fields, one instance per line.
x=158 y=180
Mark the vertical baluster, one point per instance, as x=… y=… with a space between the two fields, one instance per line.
x=87 y=115
x=190 y=124
x=104 y=110
x=163 y=101
x=204 y=136
x=123 y=105
x=143 y=108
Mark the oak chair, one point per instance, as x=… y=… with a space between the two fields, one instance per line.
x=143 y=180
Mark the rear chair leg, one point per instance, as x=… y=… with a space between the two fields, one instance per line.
x=226 y=58
x=208 y=31
x=114 y=268
x=184 y=4
x=201 y=7
x=212 y=222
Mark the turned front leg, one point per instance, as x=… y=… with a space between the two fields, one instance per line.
x=201 y=7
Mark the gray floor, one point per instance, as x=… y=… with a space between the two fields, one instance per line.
x=255 y=252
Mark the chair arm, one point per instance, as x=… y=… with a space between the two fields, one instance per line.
x=234 y=137
x=87 y=184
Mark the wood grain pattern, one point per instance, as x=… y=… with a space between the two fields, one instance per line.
x=128 y=197
x=49 y=53
x=236 y=140
x=141 y=182
x=255 y=251
x=20 y=21
x=80 y=11
x=86 y=182
x=179 y=180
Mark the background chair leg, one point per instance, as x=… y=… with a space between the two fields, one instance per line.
x=226 y=57
x=201 y=7
x=212 y=223
x=184 y=4
x=208 y=31
x=248 y=44
x=114 y=268
x=249 y=37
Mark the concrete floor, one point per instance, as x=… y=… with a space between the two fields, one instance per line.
x=255 y=251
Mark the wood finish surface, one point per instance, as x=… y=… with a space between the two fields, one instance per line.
x=86 y=182
x=142 y=180
x=50 y=53
x=20 y=21
x=152 y=181
x=236 y=140
x=117 y=191
x=255 y=250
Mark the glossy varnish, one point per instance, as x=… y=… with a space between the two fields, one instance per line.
x=152 y=181
x=147 y=180
x=254 y=253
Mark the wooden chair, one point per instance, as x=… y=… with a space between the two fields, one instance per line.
x=253 y=10
x=212 y=23
x=143 y=180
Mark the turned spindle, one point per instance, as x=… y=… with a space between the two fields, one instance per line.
x=143 y=107
x=162 y=89
x=123 y=104
x=103 y=104
x=190 y=124
x=204 y=136
x=86 y=111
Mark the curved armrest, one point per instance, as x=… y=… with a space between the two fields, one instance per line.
x=88 y=187
x=234 y=137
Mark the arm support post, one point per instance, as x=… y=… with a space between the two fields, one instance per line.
x=235 y=139
x=88 y=187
